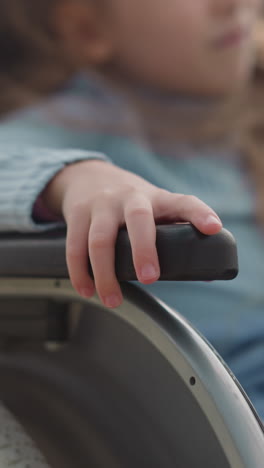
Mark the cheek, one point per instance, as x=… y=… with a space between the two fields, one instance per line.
x=259 y=5
x=159 y=45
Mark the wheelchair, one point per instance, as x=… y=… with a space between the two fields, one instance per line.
x=138 y=386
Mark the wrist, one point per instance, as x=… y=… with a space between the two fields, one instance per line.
x=54 y=193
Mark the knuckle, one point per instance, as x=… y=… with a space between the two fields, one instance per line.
x=110 y=195
x=105 y=195
x=128 y=189
x=186 y=200
x=163 y=192
x=100 y=240
x=161 y=197
x=79 y=209
x=74 y=251
x=135 y=211
x=191 y=198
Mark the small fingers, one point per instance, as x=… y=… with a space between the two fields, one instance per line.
x=78 y=225
x=187 y=208
x=142 y=233
x=102 y=239
x=94 y=234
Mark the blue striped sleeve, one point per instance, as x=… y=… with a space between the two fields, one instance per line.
x=24 y=173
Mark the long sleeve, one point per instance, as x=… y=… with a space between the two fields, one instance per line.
x=24 y=173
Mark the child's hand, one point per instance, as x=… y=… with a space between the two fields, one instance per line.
x=96 y=199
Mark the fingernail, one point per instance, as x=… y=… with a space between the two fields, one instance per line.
x=112 y=301
x=148 y=272
x=213 y=220
x=87 y=292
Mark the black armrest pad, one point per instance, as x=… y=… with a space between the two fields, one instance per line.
x=184 y=253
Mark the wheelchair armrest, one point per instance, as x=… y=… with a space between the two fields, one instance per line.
x=184 y=253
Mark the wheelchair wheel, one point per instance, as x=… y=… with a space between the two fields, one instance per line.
x=133 y=387
x=16 y=447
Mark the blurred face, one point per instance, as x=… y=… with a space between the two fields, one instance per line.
x=203 y=46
